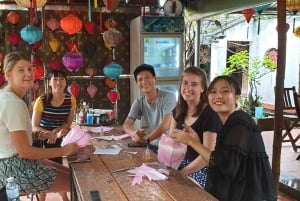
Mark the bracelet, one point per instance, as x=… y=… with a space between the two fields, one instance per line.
x=36 y=135
x=40 y=134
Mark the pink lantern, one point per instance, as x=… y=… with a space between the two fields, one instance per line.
x=72 y=60
x=112 y=37
x=53 y=24
x=91 y=90
x=170 y=152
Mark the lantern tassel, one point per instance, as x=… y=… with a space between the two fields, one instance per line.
x=90 y=15
x=294 y=25
x=258 y=28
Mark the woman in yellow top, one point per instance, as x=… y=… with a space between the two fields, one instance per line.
x=53 y=112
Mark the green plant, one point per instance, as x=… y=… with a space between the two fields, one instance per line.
x=254 y=69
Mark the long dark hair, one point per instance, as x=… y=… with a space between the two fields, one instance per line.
x=53 y=73
x=182 y=107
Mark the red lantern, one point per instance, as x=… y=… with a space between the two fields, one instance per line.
x=75 y=89
x=113 y=96
x=13 y=17
x=71 y=24
x=248 y=13
x=37 y=45
x=38 y=68
x=55 y=64
x=14 y=38
x=2 y=79
x=90 y=27
x=53 y=24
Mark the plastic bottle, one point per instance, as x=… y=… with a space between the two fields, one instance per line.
x=12 y=190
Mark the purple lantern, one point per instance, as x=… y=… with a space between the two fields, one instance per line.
x=72 y=61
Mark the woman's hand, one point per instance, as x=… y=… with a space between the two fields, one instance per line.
x=70 y=149
x=191 y=131
x=49 y=135
x=182 y=136
x=62 y=132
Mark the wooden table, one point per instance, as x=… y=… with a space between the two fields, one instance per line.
x=117 y=186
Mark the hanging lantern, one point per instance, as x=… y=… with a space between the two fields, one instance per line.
x=55 y=64
x=71 y=24
x=110 y=83
x=90 y=71
x=113 y=95
x=53 y=24
x=293 y=5
x=54 y=44
x=74 y=89
x=259 y=10
x=111 y=5
x=91 y=90
x=13 y=17
x=248 y=13
x=38 y=44
x=112 y=37
x=14 y=38
x=113 y=70
x=2 y=79
x=27 y=3
x=70 y=44
x=110 y=23
x=31 y=34
x=72 y=60
x=38 y=68
x=90 y=27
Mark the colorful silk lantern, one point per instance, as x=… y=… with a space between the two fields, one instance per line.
x=31 y=34
x=28 y=3
x=2 y=79
x=110 y=83
x=90 y=71
x=53 y=24
x=38 y=44
x=14 y=38
x=91 y=90
x=54 y=44
x=113 y=95
x=112 y=70
x=90 y=27
x=72 y=60
x=248 y=13
x=111 y=5
x=74 y=89
x=71 y=24
x=70 y=44
x=55 y=64
x=112 y=37
x=13 y=17
x=294 y=6
x=38 y=68
x=110 y=23
x=259 y=10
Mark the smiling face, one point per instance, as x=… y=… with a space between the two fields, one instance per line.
x=20 y=77
x=58 y=84
x=146 y=82
x=222 y=98
x=191 y=88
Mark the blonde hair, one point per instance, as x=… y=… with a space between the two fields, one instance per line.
x=11 y=59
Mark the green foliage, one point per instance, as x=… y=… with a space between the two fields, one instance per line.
x=254 y=69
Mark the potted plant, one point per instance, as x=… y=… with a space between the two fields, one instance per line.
x=239 y=62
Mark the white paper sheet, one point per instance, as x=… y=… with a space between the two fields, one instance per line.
x=111 y=149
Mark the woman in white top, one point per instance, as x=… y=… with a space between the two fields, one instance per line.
x=29 y=165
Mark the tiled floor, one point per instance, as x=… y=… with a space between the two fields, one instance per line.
x=290 y=169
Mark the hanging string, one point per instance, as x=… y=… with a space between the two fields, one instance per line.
x=89 y=12
x=247 y=31
x=258 y=28
x=100 y=20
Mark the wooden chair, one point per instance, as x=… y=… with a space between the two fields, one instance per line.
x=291 y=115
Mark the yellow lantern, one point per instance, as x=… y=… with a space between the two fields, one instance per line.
x=27 y=3
x=293 y=5
x=54 y=44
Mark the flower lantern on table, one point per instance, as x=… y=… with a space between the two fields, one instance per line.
x=72 y=60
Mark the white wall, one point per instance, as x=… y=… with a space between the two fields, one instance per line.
x=259 y=43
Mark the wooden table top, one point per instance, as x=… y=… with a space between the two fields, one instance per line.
x=98 y=174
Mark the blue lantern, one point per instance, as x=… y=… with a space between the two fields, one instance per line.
x=31 y=34
x=112 y=70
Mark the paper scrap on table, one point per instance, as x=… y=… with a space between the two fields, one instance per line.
x=100 y=128
x=111 y=149
x=111 y=137
x=149 y=172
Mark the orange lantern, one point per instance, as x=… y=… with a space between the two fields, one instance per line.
x=110 y=83
x=293 y=5
x=54 y=44
x=71 y=24
x=13 y=17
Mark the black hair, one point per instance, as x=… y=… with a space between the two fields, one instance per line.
x=234 y=85
x=143 y=67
